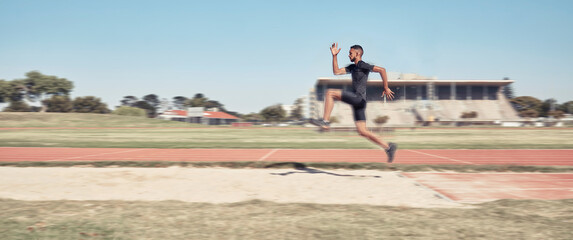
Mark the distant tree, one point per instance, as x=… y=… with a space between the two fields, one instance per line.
x=525 y=103
x=215 y=104
x=296 y=113
x=252 y=117
x=199 y=100
x=129 y=101
x=274 y=113
x=39 y=87
x=152 y=99
x=4 y=91
x=58 y=104
x=236 y=114
x=89 y=104
x=566 y=107
x=13 y=91
x=145 y=106
x=211 y=104
x=547 y=106
x=557 y=114
x=15 y=94
x=130 y=111
x=164 y=105
x=154 y=102
x=529 y=113
x=18 y=106
x=380 y=120
x=179 y=102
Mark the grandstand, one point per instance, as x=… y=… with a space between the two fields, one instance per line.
x=421 y=101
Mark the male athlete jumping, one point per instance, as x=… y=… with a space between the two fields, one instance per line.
x=357 y=97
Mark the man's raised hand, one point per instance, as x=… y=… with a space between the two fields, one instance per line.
x=388 y=93
x=334 y=49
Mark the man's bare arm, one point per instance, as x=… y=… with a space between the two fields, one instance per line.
x=387 y=92
x=335 y=69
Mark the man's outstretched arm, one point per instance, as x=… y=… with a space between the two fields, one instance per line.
x=387 y=92
x=335 y=69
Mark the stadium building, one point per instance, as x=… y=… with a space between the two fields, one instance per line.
x=422 y=101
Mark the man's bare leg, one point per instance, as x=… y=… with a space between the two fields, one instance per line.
x=331 y=96
x=363 y=131
x=389 y=148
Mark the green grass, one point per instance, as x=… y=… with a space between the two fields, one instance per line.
x=83 y=120
x=504 y=219
x=176 y=138
x=153 y=133
x=450 y=138
x=486 y=138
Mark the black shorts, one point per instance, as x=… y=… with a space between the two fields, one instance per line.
x=358 y=105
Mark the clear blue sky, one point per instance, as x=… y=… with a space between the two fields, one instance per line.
x=251 y=54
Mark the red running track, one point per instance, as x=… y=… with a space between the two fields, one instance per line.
x=543 y=157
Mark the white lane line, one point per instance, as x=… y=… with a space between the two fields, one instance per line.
x=447 y=158
x=268 y=155
x=93 y=155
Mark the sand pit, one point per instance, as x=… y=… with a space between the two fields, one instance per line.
x=218 y=185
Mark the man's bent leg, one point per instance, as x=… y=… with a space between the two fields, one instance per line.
x=363 y=131
x=389 y=148
x=331 y=95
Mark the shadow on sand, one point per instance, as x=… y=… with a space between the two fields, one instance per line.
x=306 y=170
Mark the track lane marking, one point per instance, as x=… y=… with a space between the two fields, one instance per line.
x=93 y=155
x=267 y=155
x=437 y=156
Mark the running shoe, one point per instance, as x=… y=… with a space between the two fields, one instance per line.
x=392 y=147
x=320 y=123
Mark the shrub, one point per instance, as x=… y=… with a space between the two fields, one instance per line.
x=472 y=114
x=130 y=111
x=381 y=120
x=529 y=113
x=18 y=106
